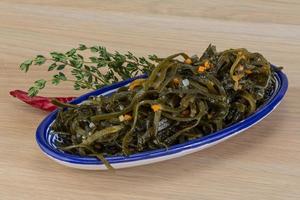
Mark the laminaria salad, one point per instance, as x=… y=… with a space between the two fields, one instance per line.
x=183 y=97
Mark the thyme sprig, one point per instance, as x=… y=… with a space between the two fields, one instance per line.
x=87 y=70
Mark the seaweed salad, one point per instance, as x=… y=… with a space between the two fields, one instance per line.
x=183 y=98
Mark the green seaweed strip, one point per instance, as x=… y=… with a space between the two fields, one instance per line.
x=202 y=112
x=62 y=104
x=100 y=135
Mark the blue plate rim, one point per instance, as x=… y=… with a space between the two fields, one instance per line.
x=43 y=129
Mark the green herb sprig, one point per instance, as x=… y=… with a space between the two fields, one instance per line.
x=85 y=70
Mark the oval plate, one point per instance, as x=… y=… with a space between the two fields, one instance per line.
x=46 y=141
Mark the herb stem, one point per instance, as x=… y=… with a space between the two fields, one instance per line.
x=86 y=70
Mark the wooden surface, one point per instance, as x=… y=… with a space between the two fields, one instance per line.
x=262 y=163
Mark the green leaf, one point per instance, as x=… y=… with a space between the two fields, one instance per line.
x=93 y=69
x=76 y=86
x=62 y=76
x=119 y=58
x=39 y=60
x=102 y=63
x=90 y=78
x=153 y=57
x=33 y=91
x=52 y=67
x=79 y=76
x=40 y=84
x=58 y=77
x=76 y=63
x=55 y=79
x=99 y=73
x=94 y=59
x=143 y=60
x=103 y=52
x=71 y=52
x=87 y=68
x=58 y=57
x=83 y=86
x=80 y=57
x=75 y=71
x=60 y=67
x=25 y=65
x=82 y=47
x=73 y=62
x=131 y=66
x=94 y=49
x=129 y=55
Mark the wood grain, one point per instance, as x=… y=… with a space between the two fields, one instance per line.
x=262 y=163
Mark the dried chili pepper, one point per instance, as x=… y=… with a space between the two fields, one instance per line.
x=43 y=103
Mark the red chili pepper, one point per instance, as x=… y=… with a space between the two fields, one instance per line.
x=43 y=103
